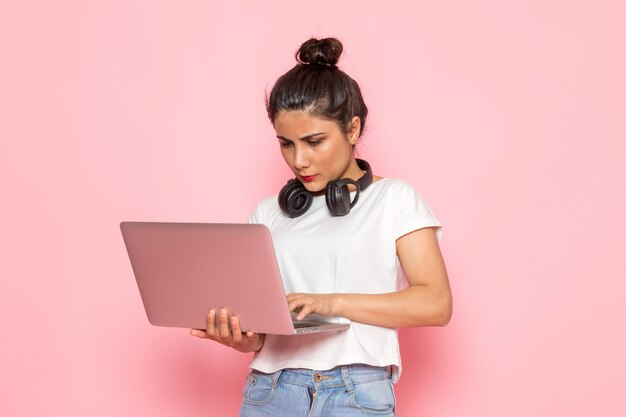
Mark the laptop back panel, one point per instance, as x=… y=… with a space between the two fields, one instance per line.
x=184 y=269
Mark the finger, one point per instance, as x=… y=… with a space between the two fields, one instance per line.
x=198 y=333
x=253 y=338
x=295 y=296
x=298 y=303
x=235 y=330
x=305 y=311
x=210 y=323
x=224 y=330
x=294 y=303
x=292 y=296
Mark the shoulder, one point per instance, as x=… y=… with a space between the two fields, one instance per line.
x=268 y=203
x=265 y=210
x=394 y=187
x=406 y=208
x=401 y=197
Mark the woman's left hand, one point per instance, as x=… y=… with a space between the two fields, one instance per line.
x=305 y=304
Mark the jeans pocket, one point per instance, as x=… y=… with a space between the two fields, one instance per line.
x=376 y=397
x=259 y=389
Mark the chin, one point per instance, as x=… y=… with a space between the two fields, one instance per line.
x=314 y=187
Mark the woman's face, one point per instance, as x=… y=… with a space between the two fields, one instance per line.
x=317 y=150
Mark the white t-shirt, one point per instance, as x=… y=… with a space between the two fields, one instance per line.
x=356 y=253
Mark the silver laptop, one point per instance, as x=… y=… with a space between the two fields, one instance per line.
x=184 y=269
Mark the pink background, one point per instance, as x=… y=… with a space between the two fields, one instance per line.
x=509 y=118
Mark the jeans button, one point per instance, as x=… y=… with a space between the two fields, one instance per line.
x=318 y=377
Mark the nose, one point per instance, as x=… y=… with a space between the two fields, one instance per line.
x=300 y=158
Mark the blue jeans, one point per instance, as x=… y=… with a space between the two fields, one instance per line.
x=352 y=390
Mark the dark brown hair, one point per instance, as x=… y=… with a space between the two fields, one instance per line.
x=317 y=86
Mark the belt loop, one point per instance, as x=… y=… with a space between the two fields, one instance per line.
x=275 y=377
x=345 y=374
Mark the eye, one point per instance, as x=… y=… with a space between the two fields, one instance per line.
x=285 y=144
x=314 y=142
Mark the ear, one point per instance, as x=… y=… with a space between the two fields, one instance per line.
x=354 y=130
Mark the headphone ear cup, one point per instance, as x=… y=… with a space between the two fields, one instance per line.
x=338 y=197
x=294 y=199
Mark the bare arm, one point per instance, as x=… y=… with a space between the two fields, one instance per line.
x=426 y=302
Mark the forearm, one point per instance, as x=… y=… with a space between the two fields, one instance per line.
x=414 y=306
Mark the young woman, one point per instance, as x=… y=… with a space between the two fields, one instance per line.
x=349 y=244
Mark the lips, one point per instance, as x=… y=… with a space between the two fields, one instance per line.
x=307 y=178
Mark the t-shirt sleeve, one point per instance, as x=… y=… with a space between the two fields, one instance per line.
x=412 y=213
x=262 y=212
x=255 y=216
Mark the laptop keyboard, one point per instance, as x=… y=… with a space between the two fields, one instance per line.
x=304 y=324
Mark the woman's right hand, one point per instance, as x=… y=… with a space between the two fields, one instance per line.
x=228 y=332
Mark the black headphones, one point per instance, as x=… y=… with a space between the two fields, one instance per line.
x=294 y=199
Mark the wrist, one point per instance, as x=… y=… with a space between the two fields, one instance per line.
x=338 y=305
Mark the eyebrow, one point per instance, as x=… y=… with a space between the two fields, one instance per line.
x=305 y=137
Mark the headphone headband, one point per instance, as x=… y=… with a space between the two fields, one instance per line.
x=294 y=199
x=367 y=178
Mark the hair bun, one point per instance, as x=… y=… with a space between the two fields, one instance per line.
x=320 y=51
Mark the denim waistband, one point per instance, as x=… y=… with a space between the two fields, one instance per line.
x=346 y=375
